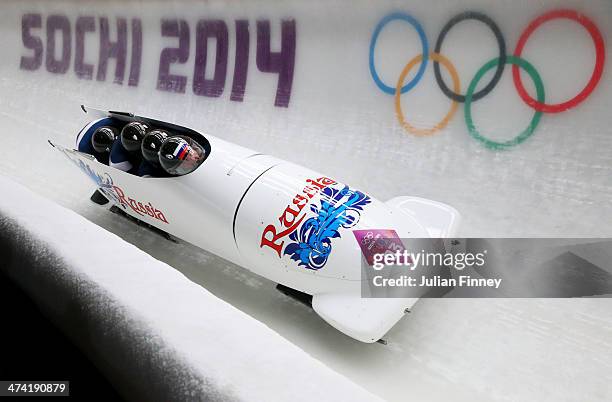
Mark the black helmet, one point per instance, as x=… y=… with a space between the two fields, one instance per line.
x=132 y=135
x=180 y=155
x=103 y=138
x=151 y=144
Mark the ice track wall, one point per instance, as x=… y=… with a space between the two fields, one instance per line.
x=526 y=152
x=156 y=335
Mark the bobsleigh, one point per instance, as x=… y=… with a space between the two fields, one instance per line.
x=289 y=224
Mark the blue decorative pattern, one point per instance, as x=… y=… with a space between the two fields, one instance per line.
x=103 y=182
x=340 y=208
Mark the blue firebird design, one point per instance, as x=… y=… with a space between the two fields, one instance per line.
x=101 y=181
x=340 y=208
x=104 y=183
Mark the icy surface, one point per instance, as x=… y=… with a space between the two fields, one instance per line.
x=558 y=183
x=227 y=353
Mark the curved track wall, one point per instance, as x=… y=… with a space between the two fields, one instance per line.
x=156 y=335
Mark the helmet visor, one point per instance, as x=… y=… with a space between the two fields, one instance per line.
x=181 y=155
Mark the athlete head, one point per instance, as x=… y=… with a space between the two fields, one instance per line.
x=180 y=155
x=103 y=138
x=151 y=145
x=132 y=135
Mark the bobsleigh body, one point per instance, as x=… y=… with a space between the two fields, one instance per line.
x=279 y=220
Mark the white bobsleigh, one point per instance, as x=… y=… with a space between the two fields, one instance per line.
x=277 y=219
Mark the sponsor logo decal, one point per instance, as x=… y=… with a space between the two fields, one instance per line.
x=309 y=240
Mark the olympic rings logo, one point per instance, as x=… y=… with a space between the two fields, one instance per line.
x=538 y=105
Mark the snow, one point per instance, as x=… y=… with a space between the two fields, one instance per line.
x=228 y=354
x=555 y=184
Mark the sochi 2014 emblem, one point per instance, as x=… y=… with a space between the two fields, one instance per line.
x=310 y=239
x=497 y=64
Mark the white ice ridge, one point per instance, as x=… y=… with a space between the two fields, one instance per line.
x=157 y=335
